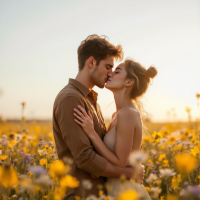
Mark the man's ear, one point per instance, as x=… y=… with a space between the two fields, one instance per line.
x=130 y=82
x=91 y=62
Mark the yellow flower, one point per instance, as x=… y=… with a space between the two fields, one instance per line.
x=176 y=181
x=178 y=147
x=36 y=188
x=157 y=135
x=25 y=150
x=172 y=197
x=59 y=193
x=107 y=198
x=150 y=161
x=11 y=136
x=162 y=198
x=165 y=133
x=100 y=192
x=33 y=143
x=161 y=157
x=38 y=129
x=172 y=139
x=43 y=161
x=69 y=182
x=3 y=157
x=194 y=151
x=146 y=139
x=165 y=163
x=11 y=143
x=8 y=176
x=162 y=147
x=58 y=169
x=147 y=188
x=186 y=133
x=24 y=137
x=185 y=163
x=128 y=195
x=77 y=198
x=26 y=183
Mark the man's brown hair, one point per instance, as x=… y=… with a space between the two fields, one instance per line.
x=100 y=48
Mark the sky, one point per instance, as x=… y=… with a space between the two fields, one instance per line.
x=39 y=41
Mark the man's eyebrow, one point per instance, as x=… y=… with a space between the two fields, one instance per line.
x=119 y=68
x=111 y=66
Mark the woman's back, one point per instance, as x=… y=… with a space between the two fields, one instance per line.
x=116 y=185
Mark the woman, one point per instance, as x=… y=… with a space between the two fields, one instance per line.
x=128 y=82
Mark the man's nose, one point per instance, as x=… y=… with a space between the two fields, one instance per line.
x=109 y=75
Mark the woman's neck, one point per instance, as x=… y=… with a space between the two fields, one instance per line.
x=122 y=100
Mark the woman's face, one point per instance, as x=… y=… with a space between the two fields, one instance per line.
x=117 y=79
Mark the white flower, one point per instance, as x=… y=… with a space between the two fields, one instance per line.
x=18 y=137
x=153 y=151
x=151 y=178
x=155 y=191
x=167 y=172
x=42 y=152
x=4 y=137
x=45 y=180
x=163 y=141
x=29 y=137
x=91 y=197
x=87 y=184
x=176 y=134
x=136 y=157
x=102 y=197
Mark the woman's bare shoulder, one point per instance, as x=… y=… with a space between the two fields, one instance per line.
x=113 y=115
x=129 y=113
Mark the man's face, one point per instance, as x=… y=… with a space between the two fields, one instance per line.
x=99 y=75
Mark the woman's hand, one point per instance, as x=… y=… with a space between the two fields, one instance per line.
x=84 y=120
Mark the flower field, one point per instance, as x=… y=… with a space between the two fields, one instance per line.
x=30 y=169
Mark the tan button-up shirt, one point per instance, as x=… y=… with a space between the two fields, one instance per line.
x=72 y=142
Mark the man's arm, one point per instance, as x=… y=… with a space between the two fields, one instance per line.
x=114 y=171
x=76 y=139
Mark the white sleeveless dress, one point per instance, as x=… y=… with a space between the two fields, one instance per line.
x=116 y=185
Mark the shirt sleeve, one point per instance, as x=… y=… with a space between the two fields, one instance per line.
x=76 y=139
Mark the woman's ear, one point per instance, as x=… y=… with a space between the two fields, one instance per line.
x=130 y=82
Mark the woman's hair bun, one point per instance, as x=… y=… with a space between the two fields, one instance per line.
x=151 y=72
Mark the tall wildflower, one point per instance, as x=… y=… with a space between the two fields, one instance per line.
x=8 y=176
x=185 y=163
x=128 y=195
x=58 y=169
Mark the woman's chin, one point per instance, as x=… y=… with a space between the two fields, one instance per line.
x=107 y=86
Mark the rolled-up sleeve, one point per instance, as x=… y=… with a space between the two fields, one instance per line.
x=76 y=139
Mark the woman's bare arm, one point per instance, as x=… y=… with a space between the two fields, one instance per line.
x=126 y=123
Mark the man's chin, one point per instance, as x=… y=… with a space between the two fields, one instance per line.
x=101 y=85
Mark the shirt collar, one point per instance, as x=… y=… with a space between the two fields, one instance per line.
x=85 y=91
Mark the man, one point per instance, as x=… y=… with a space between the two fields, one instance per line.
x=95 y=59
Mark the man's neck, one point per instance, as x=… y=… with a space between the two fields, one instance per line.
x=84 y=79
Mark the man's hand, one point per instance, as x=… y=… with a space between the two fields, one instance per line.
x=137 y=173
